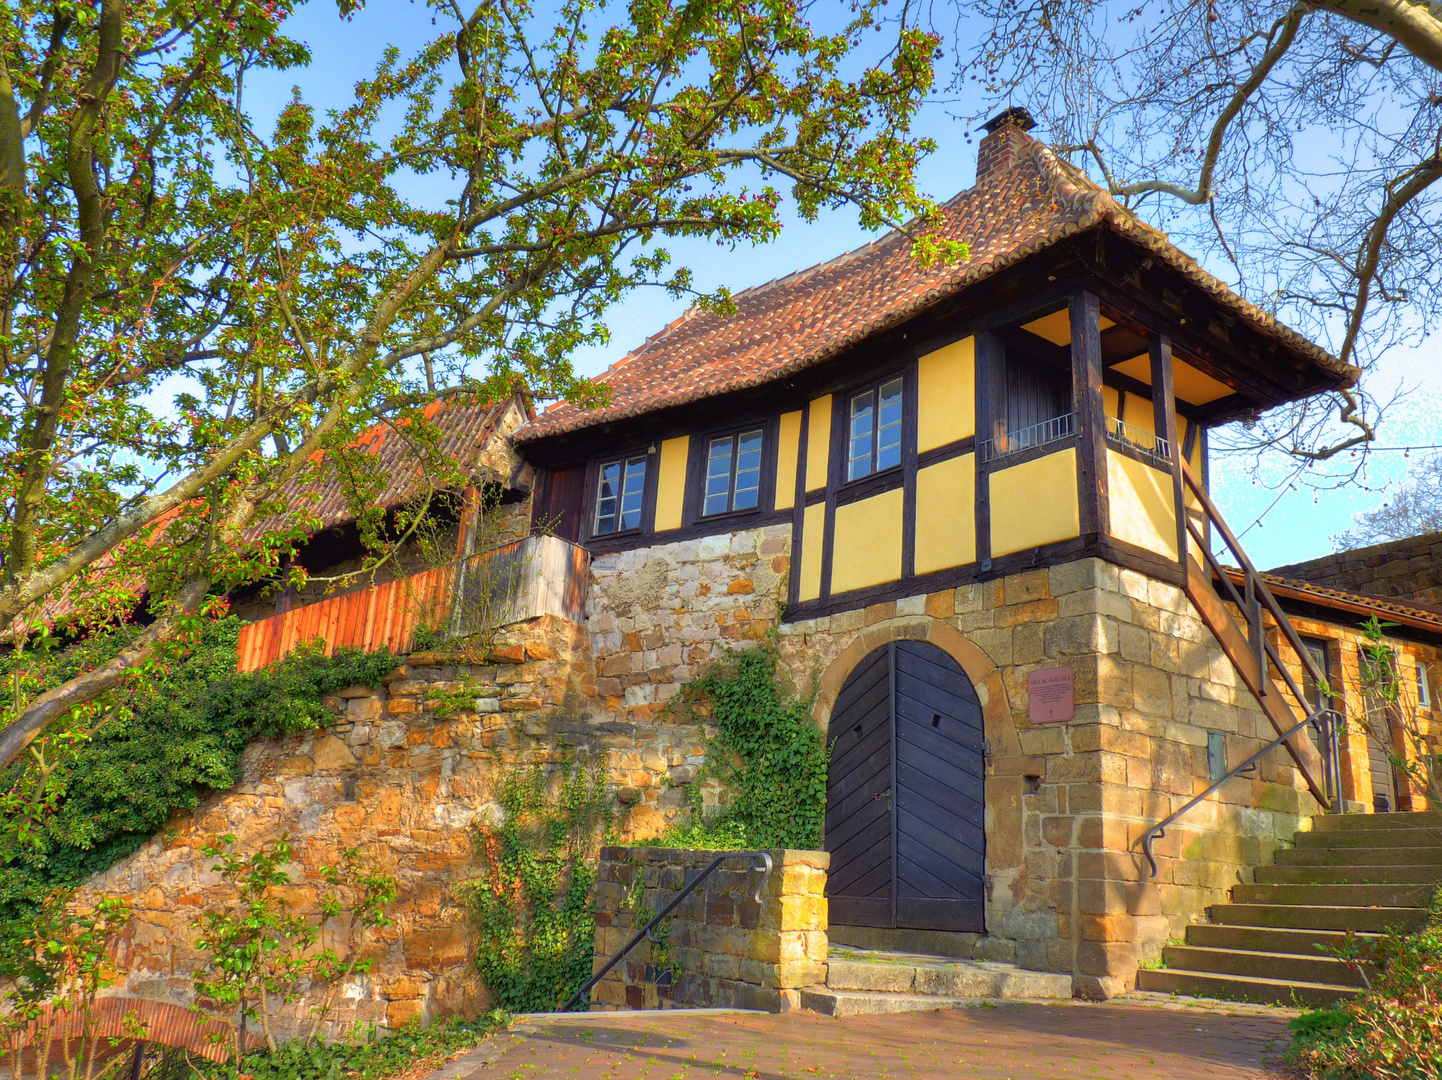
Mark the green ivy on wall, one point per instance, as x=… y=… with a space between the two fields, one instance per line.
x=162 y=746
x=532 y=904
x=767 y=751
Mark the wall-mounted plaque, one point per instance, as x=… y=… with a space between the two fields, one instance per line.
x=1051 y=694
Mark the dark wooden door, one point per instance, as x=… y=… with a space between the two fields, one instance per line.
x=904 y=807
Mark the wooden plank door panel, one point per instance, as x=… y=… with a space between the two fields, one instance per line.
x=905 y=794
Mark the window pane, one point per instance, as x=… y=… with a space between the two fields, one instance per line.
x=718 y=476
x=634 y=487
x=608 y=492
x=748 y=471
x=859 y=447
x=888 y=433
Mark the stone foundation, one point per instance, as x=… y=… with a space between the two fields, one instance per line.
x=722 y=947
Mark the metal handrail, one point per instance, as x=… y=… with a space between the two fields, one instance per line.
x=1328 y=730
x=1029 y=438
x=1140 y=440
x=761 y=861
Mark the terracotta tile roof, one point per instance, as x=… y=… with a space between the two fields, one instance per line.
x=812 y=315
x=1410 y=613
x=464 y=436
x=463 y=433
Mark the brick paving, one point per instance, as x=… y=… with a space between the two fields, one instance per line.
x=1064 y=1041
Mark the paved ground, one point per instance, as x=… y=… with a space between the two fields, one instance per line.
x=1136 y=1040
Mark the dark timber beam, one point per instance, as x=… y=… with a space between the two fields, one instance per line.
x=1164 y=413
x=1086 y=374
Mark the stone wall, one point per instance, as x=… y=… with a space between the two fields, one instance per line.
x=659 y=615
x=1065 y=802
x=722 y=947
x=403 y=774
x=1407 y=569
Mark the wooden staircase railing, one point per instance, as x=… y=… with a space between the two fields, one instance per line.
x=1247 y=646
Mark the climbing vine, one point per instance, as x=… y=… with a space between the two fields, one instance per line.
x=767 y=751
x=531 y=905
x=154 y=747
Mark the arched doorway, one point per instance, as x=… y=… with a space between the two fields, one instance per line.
x=905 y=794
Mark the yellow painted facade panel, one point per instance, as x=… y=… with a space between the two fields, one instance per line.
x=866 y=549
x=946 y=514
x=818 y=442
x=1143 y=509
x=671 y=483
x=1110 y=396
x=1190 y=384
x=813 y=536
x=788 y=453
x=946 y=399
x=1140 y=415
x=1035 y=503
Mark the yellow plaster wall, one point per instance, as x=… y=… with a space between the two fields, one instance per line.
x=946 y=400
x=813 y=534
x=818 y=443
x=1190 y=384
x=1110 y=394
x=946 y=514
x=1139 y=414
x=1143 y=511
x=1035 y=503
x=788 y=453
x=866 y=549
x=671 y=483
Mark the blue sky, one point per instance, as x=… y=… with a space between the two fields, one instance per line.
x=1279 y=525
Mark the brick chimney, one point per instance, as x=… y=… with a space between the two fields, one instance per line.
x=1003 y=143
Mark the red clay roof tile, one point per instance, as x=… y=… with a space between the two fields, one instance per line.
x=811 y=315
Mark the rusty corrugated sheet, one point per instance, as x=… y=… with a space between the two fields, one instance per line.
x=113 y=1024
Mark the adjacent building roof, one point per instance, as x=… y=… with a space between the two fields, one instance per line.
x=1030 y=201
x=1417 y=616
x=470 y=434
x=463 y=433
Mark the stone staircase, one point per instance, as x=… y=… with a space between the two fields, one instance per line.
x=860 y=981
x=1368 y=873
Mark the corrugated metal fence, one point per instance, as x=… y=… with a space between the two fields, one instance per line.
x=550 y=578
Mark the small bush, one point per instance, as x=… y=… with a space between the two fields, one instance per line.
x=160 y=747
x=411 y=1051
x=1392 y=1031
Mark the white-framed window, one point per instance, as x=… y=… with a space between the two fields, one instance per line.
x=873 y=442
x=733 y=473
x=1424 y=688
x=620 y=491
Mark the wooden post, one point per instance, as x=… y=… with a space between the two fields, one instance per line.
x=1164 y=412
x=990 y=403
x=1091 y=447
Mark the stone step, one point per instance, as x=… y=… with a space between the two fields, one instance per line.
x=840 y=1003
x=1406 y=895
x=911 y=973
x=1349 y=875
x=1422 y=819
x=1366 y=838
x=1286 y=967
x=1376 y=920
x=921 y=942
x=1241 y=988
x=1264 y=938
x=1355 y=856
